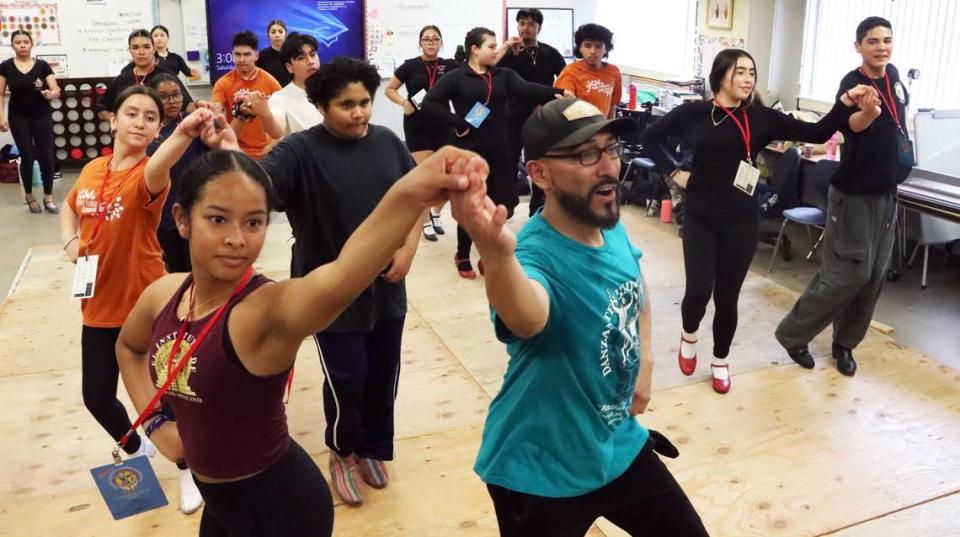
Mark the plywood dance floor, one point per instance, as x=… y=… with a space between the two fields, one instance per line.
x=788 y=452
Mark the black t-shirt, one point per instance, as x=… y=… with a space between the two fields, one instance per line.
x=173 y=63
x=269 y=61
x=25 y=97
x=541 y=64
x=126 y=79
x=868 y=160
x=328 y=186
x=719 y=149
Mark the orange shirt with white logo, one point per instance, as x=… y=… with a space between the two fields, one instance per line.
x=130 y=256
x=254 y=141
x=600 y=87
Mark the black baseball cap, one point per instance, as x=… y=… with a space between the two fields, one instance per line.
x=567 y=122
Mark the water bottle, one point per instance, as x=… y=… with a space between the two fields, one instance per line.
x=666 y=211
x=633 y=96
x=37 y=179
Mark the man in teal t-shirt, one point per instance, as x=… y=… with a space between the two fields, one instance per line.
x=561 y=447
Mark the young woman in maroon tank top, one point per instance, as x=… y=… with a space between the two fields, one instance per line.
x=230 y=423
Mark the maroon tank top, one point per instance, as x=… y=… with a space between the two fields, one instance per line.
x=232 y=422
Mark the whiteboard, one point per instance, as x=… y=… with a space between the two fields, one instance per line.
x=556 y=30
x=937 y=138
x=393 y=27
x=80 y=38
x=194 y=16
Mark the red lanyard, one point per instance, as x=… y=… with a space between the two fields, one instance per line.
x=139 y=80
x=889 y=104
x=744 y=127
x=488 y=78
x=175 y=372
x=100 y=208
x=431 y=74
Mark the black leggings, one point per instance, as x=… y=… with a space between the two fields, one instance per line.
x=100 y=376
x=645 y=500
x=717 y=256
x=34 y=139
x=288 y=499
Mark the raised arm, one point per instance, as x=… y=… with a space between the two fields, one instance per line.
x=517 y=86
x=789 y=128
x=296 y=308
x=202 y=122
x=521 y=303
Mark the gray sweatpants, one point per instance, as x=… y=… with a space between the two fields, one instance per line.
x=856 y=254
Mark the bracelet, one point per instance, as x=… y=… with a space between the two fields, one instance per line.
x=75 y=237
x=157 y=422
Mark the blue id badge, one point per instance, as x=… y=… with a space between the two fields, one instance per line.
x=905 y=151
x=477 y=115
x=129 y=488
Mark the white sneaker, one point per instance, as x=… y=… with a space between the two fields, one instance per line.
x=146 y=448
x=653 y=208
x=190 y=498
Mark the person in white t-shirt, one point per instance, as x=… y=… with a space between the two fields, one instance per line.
x=290 y=107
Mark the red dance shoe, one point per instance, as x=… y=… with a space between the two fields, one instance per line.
x=687 y=365
x=464 y=268
x=721 y=378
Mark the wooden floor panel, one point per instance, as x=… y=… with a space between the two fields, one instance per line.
x=789 y=452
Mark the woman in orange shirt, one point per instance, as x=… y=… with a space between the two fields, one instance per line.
x=114 y=211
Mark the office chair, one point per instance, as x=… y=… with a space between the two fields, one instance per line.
x=820 y=177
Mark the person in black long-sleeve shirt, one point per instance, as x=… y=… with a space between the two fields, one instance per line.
x=861 y=209
x=480 y=82
x=721 y=222
x=535 y=62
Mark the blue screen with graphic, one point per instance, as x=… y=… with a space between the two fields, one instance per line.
x=336 y=24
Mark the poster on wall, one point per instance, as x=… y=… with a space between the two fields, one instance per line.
x=41 y=19
x=58 y=63
x=336 y=24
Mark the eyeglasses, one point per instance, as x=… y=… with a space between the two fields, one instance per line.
x=171 y=97
x=430 y=40
x=592 y=156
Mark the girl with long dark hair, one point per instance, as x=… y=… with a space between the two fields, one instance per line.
x=721 y=222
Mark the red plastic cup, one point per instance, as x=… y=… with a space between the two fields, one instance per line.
x=666 y=211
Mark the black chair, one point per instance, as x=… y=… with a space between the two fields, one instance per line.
x=785 y=184
x=819 y=178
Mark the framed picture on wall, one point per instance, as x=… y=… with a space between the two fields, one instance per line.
x=720 y=14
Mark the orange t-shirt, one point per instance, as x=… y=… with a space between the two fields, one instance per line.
x=130 y=256
x=600 y=87
x=254 y=141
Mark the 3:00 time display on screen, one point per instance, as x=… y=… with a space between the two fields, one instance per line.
x=224 y=61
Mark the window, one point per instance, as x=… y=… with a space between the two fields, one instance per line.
x=651 y=35
x=926 y=36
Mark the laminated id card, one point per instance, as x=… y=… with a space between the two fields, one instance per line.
x=129 y=488
x=747 y=177
x=418 y=98
x=85 y=276
x=477 y=115
x=905 y=151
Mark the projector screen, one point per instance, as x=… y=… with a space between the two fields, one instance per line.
x=336 y=24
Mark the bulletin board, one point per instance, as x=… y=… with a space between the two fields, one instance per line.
x=556 y=30
x=79 y=38
x=393 y=27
